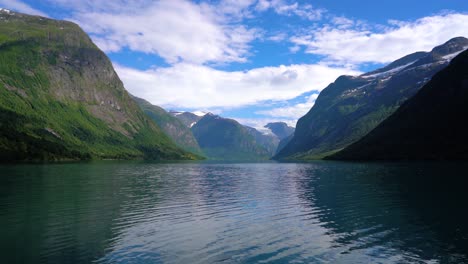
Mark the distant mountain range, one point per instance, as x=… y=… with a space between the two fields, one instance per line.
x=60 y=99
x=226 y=139
x=429 y=126
x=352 y=106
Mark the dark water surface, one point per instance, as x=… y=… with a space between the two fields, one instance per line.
x=322 y=212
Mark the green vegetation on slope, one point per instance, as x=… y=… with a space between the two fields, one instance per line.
x=172 y=126
x=351 y=107
x=429 y=126
x=61 y=99
x=226 y=139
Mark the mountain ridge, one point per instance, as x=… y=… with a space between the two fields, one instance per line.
x=350 y=107
x=429 y=126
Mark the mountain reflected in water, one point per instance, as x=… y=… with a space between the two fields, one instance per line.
x=136 y=212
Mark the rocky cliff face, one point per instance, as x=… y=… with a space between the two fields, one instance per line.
x=61 y=98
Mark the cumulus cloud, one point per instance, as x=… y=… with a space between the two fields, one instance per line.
x=21 y=7
x=345 y=44
x=197 y=86
x=177 y=31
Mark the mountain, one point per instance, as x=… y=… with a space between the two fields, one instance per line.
x=429 y=126
x=280 y=129
x=61 y=99
x=172 y=126
x=267 y=141
x=283 y=143
x=352 y=106
x=187 y=118
x=226 y=139
x=283 y=132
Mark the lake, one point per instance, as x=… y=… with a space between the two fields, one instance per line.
x=319 y=212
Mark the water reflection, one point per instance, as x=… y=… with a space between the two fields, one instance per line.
x=396 y=212
x=57 y=213
x=233 y=213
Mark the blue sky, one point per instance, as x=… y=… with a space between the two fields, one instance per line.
x=253 y=60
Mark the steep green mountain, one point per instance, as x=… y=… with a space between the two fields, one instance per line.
x=187 y=118
x=352 y=106
x=226 y=139
x=429 y=126
x=173 y=127
x=280 y=129
x=267 y=141
x=60 y=98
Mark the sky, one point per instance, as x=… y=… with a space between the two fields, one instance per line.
x=256 y=61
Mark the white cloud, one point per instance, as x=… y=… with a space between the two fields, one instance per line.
x=342 y=22
x=194 y=86
x=237 y=9
x=346 y=45
x=259 y=123
x=177 y=31
x=278 y=37
x=19 y=6
x=291 y=112
x=294 y=49
x=282 y=7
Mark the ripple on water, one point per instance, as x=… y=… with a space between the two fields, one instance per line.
x=233 y=213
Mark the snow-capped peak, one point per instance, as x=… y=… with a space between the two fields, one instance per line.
x=4 y=10
x=265 y=131
x=199 y=113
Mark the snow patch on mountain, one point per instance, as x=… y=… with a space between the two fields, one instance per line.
x=199 y=113
x=386 y=73
x=449 y=57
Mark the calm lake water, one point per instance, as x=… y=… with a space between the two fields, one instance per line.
x=137 y=212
